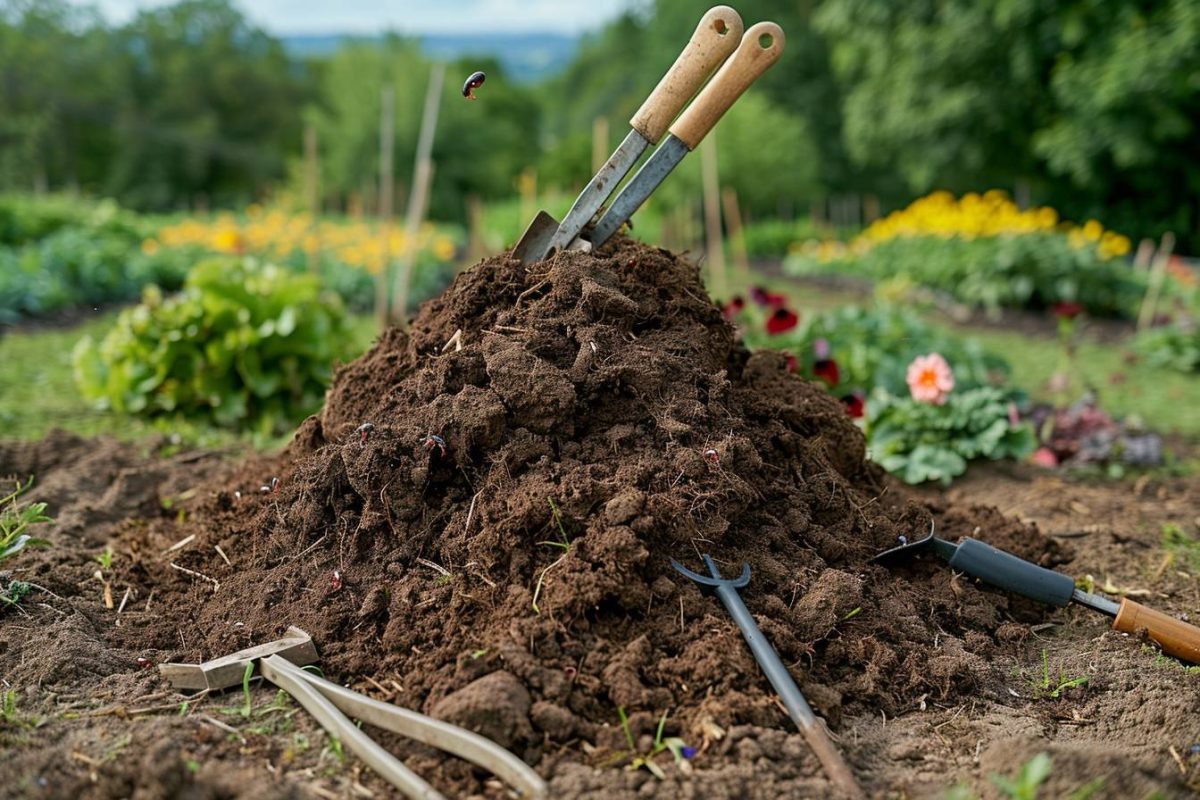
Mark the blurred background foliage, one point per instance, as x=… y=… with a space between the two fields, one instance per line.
x=1090 y=106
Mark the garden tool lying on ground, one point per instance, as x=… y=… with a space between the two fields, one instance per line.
x=280 y=663
x=797 y=707
x=719 y=32
x=1006 y=571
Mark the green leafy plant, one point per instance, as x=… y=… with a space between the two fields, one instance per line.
x=1053 y=688
x=1182 y=546
x=874 y=345
x=924 y=442
x=104 y=559
x=1031 y=271
x=680 y=751
x=244 y=342
x=15 y=520
x=1175 y=346
x=1032 y=774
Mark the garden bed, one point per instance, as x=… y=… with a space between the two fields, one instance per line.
x=500 y=536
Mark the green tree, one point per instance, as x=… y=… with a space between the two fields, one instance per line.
x=214 y=108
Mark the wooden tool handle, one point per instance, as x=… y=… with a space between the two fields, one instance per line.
x=1174 y=636
x=760 y=48
x=715 y=38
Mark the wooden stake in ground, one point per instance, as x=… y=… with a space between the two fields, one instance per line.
x=312 y=192
x=476 y=245
x=1158 y=271
x=418 y=199
x=599 y=143
x=718 y=276
x=387 y=178
x=737 y=235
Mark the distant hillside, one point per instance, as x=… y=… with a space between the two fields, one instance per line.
x=526 y=56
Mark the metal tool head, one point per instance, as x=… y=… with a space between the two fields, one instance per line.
x=535 y=242
x=905 y=548
x=715 y=579
x=221 y=673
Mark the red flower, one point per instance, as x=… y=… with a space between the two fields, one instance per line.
x=827 y=370
x=793 y=363
x=1067 y=309
x=758 y=295
x=781 y=320
x=735 y=304
x=775 y=300
x=855 y=406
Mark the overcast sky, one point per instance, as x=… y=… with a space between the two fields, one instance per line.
x=284 y=17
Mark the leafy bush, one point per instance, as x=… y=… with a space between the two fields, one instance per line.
x=1033 y=271
x=69 y=253
x=984 y=251
x=242 y=342
x=773 y=238
x=923 y=442
x=1175 y=346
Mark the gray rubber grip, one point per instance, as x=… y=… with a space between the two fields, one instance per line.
x=1006 y=571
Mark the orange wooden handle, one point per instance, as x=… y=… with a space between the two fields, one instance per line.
x=1174 y=636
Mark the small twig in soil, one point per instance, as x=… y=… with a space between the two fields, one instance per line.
x=435 y=567
x=470 y=513
x=455 y=341
x=1178 y=760
x=221 y=553
x=218 y=724
x=216 y=583
x=124 y=600
x=184 y=542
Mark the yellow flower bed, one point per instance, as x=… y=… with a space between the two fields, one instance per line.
x=990 y=214
x=276 y=234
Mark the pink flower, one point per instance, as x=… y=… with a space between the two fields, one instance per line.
x=930 y=379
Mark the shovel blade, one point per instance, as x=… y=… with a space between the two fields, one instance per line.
x=535 y=242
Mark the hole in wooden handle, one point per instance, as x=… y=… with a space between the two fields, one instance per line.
x=765 y=41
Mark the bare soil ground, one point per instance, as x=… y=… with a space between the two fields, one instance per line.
x=605 y=385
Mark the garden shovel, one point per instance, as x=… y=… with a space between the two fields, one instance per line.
x=714 y=39
x=760 y=48
x=1006 y=571
x=332 y=705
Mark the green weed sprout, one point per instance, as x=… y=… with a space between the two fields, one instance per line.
x=15 y=519
x=679 y=750
x=564 y=545
x=1054 y=688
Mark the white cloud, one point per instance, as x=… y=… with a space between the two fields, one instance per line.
x=418 y=16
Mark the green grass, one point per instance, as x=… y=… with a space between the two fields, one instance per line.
x=1162 y=398
x=40 y=395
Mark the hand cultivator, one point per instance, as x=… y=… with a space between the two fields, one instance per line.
x=1006 y=571
x=280 y=663
x=797 y=707
x=719 y=32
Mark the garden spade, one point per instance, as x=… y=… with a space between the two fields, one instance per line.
x=797 y=707
x=333 y=706
x=1006 y=571
x=714 y=39
x=760 y=48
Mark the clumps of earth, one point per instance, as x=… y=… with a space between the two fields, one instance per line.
x=484 y=512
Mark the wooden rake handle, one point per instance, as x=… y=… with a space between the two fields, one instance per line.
x=1174 y=636
x=714 y=39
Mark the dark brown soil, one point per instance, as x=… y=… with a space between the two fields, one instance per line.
x=598 y=421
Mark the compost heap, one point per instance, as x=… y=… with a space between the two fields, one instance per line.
x=599 y=419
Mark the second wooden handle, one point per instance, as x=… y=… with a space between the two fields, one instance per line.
x=761 y=47
x=1174 y=636
x=715 y=38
